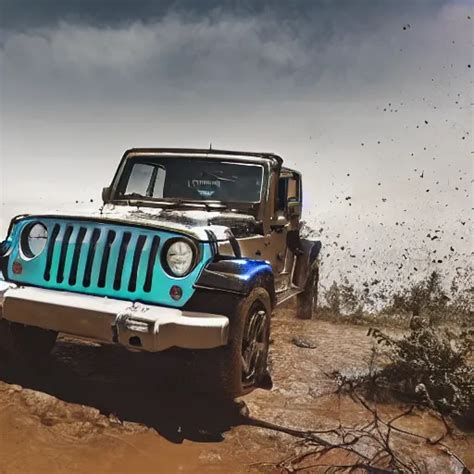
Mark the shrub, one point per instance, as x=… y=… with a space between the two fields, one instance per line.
x=431 y=366
x=428 y=297
x=333 y=299
x=425 y=296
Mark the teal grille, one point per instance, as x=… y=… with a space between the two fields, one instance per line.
x=112 y=260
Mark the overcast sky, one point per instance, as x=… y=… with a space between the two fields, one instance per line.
x=372 y=100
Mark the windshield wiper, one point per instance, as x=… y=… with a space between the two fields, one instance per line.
x=175 y=203
x=231 y=179
x=144 y=202
x=208 y=206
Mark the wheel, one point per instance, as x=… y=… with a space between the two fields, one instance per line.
x=307 y=300
x=27 y=344
x=241 y=366
x=255 y=341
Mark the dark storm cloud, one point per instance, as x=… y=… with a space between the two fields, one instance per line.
x=24 y=14
x=148 y=50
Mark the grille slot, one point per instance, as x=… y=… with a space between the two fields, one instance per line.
x=63 y=254
x=105 y=259
x=49 y=256
x=132 y=284
x=90 y=257
x=77 y=254
x=151 y=263
x=121 y=259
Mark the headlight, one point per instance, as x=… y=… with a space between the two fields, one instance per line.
x=33 y=239
x=180 y=256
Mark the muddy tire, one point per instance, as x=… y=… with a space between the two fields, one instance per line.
x=307 y=300
x=25 y=344
x=241 y=366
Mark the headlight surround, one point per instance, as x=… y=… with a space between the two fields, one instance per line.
x=33 y=239
x=179 y=257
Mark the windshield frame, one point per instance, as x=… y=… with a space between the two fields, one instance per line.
x=209 y=204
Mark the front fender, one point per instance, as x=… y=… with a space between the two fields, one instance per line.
x=238 y=276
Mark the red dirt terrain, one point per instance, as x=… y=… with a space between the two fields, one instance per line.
x=102 y=409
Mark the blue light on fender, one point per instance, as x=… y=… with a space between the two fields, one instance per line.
x=248 y=269
x=234 y=275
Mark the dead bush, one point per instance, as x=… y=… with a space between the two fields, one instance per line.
x=430 y=366
x=333 y=299
x=429 y=297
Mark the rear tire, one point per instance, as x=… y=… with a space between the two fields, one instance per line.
x=307 y=300
x=25 y=344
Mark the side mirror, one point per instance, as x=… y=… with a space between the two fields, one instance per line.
x=279 y=222
x=106 y=193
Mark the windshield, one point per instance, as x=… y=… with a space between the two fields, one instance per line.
x=190 y=179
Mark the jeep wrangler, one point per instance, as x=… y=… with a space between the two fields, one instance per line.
x=191 y=251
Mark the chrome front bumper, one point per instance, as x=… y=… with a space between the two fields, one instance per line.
x=133 y=325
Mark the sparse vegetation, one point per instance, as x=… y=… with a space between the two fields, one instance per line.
x=428 y=366
x=431 y=298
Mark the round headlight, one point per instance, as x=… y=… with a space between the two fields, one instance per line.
x=33 y=239
x=180 y=256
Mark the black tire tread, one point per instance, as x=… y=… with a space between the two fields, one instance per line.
x=307 y=300
x=220 y=370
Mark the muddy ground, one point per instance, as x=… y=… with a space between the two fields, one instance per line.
x=101 y=409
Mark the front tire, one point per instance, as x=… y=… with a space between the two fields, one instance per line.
x=241 y=366
x=307 y=300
